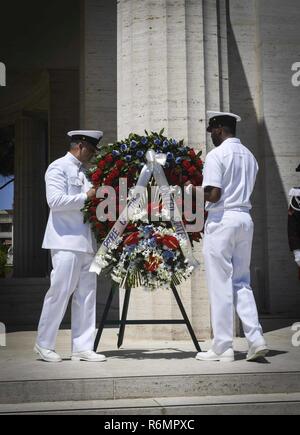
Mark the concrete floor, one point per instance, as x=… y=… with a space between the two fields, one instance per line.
x=140 y=358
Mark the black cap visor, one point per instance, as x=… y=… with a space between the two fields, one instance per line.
x=221 y=121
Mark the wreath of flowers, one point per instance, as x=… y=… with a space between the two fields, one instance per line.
x=149 y=254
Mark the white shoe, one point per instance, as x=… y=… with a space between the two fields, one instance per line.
x=257 y=351
x=47 y=355
x=227 y=356
x=88 y=356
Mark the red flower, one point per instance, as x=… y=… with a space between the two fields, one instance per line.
x=185 y=179
x=108 y=181
x=199 y=164
x=153 y=264
x=93 y=210
x=198 y=179
x=114 y=173
x=171 y=242
x=192 y=154
x=101 y=164
x=96 y=176
x=192 y=170
x=186 y=164
x=120 y=164
x=109 y=158
x=132 y=239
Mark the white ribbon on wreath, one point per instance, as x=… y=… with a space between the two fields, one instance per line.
x=154 y=166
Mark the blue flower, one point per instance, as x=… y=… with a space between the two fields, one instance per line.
x=157 y=141
x=140 y=154
x=144 y=141
x=148 y=230
x=168 y=255
x=130 y=249
x=116 y=153
x=128 y=158
x=170 y=156
x=124 y=147
x=166 y=144
x=152 y=243
x=183 y=150
x=133 y=144
x=174 y=142
x=178 y=160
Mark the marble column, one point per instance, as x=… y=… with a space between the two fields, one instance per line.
x=98 y=71
x=172 y=67
x=30 y=212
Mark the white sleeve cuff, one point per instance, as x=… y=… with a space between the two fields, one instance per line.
x=212 y=184
x=297 y=256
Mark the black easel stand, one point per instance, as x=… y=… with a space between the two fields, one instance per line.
x=123 y=322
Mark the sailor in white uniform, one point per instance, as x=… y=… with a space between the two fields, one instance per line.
x=73 y=247
x=229 y=178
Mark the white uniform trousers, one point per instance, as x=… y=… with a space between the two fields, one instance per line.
x=227 y=253
x=70 y=276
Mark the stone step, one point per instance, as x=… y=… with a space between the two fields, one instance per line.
x=144 y=387
x=257 y=404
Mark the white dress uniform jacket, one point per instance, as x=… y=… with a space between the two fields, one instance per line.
x=228 y=243
x=72 y=248
x=66 y=187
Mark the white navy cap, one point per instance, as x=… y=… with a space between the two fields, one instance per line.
x=222 y=119
x=295 y=192
x=92 y=136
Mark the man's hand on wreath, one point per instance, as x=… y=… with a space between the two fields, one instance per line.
x=91 y=194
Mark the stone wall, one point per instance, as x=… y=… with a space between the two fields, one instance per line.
x=98 y=71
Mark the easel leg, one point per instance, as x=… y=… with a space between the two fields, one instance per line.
x=124 y=316
x=187 y=321
x=104 y=317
